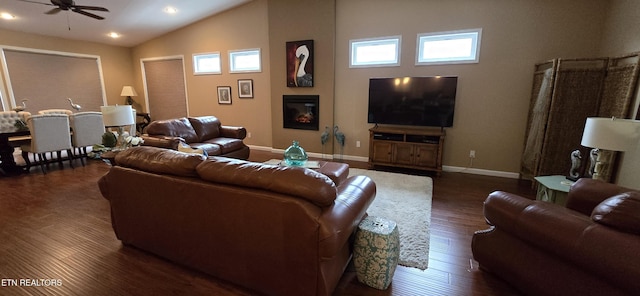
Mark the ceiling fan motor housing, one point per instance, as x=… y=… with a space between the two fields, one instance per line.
x=63 y=4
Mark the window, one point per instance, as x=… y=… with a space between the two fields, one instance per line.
x=206 y=63
x=246 y=60
x=378 y=52
x=23 y=66
x=448 y=47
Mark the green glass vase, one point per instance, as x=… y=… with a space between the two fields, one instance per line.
x=295 y=155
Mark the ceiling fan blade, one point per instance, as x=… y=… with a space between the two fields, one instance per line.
x=53 y=11
x=87 y=13
x=90 y=8
x=49 y=4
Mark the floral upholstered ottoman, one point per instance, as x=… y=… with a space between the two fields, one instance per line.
x=376 y=251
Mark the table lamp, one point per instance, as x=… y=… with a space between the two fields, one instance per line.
x=128 y=91
x=606 y=135
x=120 y=117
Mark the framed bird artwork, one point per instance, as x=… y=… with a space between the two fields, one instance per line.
x=300 y=63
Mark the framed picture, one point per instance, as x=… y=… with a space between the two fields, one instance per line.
x=224 y=94
x=245 y=88
x=300 y=63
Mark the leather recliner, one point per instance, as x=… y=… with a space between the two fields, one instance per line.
x=589 y=247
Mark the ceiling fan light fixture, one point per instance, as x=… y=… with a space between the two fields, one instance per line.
x=7 y=16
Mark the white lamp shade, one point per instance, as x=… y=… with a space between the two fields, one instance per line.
x=117 y=115
x=128 y=91
x=611 y=133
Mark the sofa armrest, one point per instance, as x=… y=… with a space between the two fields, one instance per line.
x=586 y=194
x=162 y=141
x=340 y=220
x=236 y=132
x=535 y=221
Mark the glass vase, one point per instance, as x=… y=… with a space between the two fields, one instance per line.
x=295 y=155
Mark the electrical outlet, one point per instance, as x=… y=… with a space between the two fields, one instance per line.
x=472 y=154
x=249 y=135
x=357 y=144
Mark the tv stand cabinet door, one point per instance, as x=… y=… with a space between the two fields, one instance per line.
x=403 y=154
x=381 y=152
x=427 y=156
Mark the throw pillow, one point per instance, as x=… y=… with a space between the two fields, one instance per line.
x=620 y=211
x=182 y=147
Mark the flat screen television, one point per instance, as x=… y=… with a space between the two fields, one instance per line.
x=414 y=101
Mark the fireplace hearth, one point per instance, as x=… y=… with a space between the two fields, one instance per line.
x=301 y=111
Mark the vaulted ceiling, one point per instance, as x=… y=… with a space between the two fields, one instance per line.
x=135 y=21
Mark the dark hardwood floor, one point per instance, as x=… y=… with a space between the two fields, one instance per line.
x=56 y=239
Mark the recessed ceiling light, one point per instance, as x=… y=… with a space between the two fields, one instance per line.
x=114 y=35
x=170 y=10
x=7 y=16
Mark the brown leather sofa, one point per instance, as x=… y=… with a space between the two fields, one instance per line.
x=204 y=132
x=591 y=247
x=274 y=230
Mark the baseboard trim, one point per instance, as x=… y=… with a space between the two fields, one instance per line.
x=261 y=148
x=445 y=168
x=466 y=170
x=313 y=154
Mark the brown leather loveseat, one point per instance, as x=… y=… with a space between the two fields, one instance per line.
x=274 y=230
x=204 y=132
x=589 y=247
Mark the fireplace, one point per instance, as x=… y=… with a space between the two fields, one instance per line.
x=301 y=111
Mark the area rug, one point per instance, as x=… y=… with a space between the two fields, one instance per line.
x=405 y=199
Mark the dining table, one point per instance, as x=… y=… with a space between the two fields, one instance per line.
x=8 y=164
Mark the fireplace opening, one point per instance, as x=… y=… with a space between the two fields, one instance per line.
x=301 y=111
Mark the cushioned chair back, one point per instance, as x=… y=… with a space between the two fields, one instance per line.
x=49 y=132
x=8 y=118
x=206 y=127
x=56 y=111
x=179 y=127
x=87 y=128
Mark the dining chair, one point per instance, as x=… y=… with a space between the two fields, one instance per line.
x=87 y=128
x=55 y=111
x=49 y=133
x=8 y=120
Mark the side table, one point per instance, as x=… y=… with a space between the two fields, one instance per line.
x=553 y=189
x=376 y=251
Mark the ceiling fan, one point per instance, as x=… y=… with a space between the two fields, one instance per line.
x=71 y=5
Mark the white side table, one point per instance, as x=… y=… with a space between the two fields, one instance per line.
x=553 y=189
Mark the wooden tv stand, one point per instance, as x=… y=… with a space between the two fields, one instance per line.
x=406 y=147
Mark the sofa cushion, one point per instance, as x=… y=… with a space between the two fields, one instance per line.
x=211 y=149
x=303 y=183
x=227 y=145
x=206 y=127
x=179 y=127
x=620 y=211
x=160 y=161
